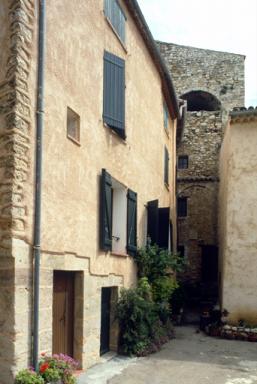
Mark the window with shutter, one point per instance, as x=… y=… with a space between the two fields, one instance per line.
x=106 y=211
x=118 y=216
x=182 y=207
x=159 y=228
x=116 y=16
x=114 y=93
x=131 y=222
x=166 y=166
x=165 y=116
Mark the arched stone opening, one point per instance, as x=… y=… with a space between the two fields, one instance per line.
x=201 y=101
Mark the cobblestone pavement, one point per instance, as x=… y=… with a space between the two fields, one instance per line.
x=191 y=358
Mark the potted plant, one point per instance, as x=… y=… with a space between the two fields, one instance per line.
x=57 y=369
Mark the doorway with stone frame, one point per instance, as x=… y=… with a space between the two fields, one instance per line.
x=109 y=331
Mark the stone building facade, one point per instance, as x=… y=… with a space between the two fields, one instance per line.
x=86 y=160
x=212 y=83
x=238 y=217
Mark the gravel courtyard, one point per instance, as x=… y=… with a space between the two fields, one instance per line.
x=191 y=358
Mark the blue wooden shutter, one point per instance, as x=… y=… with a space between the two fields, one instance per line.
x=114 y=93
x=152 y=221
x=131 y=222
x=166 y=166
x=116 y=16
x=106 y=211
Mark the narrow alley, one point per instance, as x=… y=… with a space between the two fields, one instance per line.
x=191 y=358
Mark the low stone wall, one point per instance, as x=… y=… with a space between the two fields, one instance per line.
x=234 y=332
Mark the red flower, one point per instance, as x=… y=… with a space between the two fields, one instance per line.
x=43 y=367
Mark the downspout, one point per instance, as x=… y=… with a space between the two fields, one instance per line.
x=38 y=178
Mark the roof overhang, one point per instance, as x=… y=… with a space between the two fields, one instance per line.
x=167 y=84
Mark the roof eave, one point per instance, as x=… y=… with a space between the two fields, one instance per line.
x=167 y=84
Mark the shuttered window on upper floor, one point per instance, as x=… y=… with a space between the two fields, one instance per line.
x=165 y=116
x=114 y=93
x=116 y=16
x=166 y=166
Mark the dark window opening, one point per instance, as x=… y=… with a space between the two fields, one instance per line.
x=181 y=250
x=183 y=162
x=182 y=206
x=159 y=226
x=201 y=101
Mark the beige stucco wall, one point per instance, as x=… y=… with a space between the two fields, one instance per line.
x=77 y=35
x=74 y=78
x=238 y=221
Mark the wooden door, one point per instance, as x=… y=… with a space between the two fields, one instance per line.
x=63 y=312
x=105 y=320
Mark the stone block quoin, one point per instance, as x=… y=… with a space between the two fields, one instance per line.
x=15 y=124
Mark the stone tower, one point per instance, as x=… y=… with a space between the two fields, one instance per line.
x=212 y=83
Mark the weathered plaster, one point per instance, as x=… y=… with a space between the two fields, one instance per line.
x=238 y=225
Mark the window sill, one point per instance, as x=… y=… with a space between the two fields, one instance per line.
x=74 y=140
x=116 y=34
x=182 y=218
x=119 y=254
x=115 y=134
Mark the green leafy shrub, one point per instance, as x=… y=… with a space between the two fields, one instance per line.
x=136 y=316
x=144 y=312
x=153 y=262
x=28 y=376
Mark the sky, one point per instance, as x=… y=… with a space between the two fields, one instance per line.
x=222 y=25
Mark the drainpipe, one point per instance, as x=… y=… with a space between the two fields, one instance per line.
x=38 y=177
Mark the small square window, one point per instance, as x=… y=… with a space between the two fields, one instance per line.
x=182 y=207
x=183 y=162
x=73 y=125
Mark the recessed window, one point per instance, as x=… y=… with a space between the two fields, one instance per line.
x=114 y=93
x=183 y=162
x=165 y=116
x=182 y=207
x=116 y=16
x=73 y=125
x=166 y=166
x=118 y=216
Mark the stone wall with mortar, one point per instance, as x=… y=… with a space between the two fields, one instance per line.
x=16 y=33
x=222 y=75
x=219 y=73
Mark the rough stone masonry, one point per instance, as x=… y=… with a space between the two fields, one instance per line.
x=212 y=83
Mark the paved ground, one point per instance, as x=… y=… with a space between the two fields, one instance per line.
x=191 y=358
